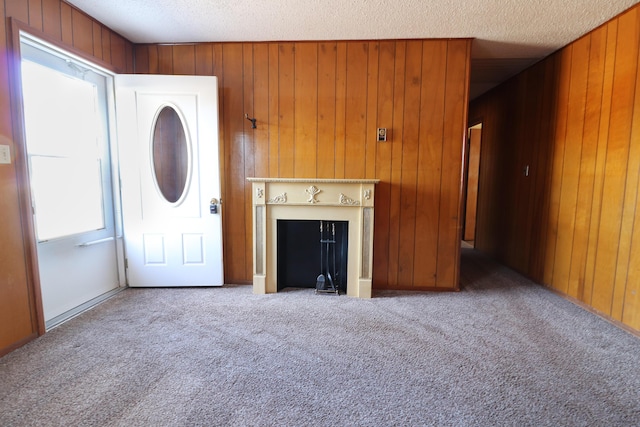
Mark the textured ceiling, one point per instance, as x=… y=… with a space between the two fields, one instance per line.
x=511 y=32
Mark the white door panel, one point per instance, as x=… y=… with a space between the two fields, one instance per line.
x=170 y=243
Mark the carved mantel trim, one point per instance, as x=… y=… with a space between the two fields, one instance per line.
x=316 y=180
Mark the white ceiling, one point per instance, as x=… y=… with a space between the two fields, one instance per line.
x=509 y=34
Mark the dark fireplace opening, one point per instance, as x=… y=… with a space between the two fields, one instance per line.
x=311 y=252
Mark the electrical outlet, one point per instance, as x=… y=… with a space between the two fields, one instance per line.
x=5 y=155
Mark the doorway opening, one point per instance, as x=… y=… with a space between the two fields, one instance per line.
x=472 y=175
x=67 y=105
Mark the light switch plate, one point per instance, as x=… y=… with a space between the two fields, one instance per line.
x=5 y=155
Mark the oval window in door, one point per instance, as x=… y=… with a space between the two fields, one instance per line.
x=170 y=154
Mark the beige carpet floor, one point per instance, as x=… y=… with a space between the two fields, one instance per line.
x=502 y=352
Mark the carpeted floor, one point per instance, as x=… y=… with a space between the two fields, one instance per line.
x=504 y=351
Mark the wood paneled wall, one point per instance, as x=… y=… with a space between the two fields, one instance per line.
x=67 y=25
x=318 y=105
x=574 y=222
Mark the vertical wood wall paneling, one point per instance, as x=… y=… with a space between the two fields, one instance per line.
x=35 y=14
x=371 y=117
x=588 y=162
x=204 y=59
x=616 y=164
x=529 y=156
x=234 y=191
x=286 y=108
x=18 y=9
x=97 y=40
x=396 y=164
x=432 y=101
x=217 y=59
x=326 y=144
x=571 y=165
x=409 y=163
x=82 y=32
x=165 y=59
x=630 y=27
x=106 y=46
x=274 y=110
x=507 y=177
x=519 y=183
x=51 y=18
x=261 y=109
x=341 y=109
x=589 y=204
x=66 y=23
x=184 y=59
x=557 y=160
x=142 y=60
x=125 y=50
x=527 y=160
x=384 y=114
x=60 y=22
x=306 y=110
x=631 y=301
x=153 y=67
x=516 y=183
x=601 y=157
x=544 y=125
x=631 y=298
x=455 y=128
x=356 y=108
x=248 y=153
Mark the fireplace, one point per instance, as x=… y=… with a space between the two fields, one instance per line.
x=327 y=200
x=312 y=254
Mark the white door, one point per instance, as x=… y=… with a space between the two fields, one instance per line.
x=66 y=108
x=168 y=139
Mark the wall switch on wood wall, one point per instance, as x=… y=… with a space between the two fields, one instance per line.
x=5 y=155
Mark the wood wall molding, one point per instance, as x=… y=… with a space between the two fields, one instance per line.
x=318 y=106
x=574 y=223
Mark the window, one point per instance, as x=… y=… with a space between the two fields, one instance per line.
x=65 y=146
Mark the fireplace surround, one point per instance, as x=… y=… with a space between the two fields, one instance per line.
x=349 y=200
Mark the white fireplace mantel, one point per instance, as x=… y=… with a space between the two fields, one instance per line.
x=349 y=200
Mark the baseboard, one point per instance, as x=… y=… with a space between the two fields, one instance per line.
x=417 y=289
x=598 y=313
